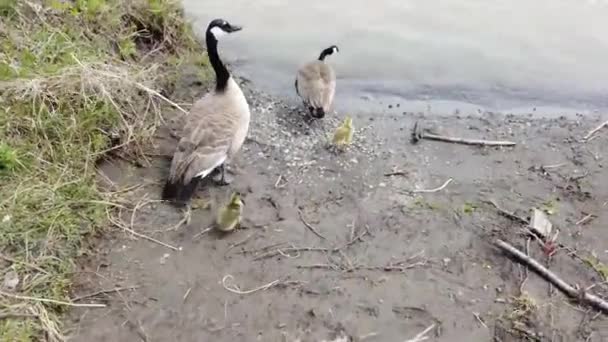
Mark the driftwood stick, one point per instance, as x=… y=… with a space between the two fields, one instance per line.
x=419 y=133
x=588 y=298
x=465 y=141
x=593 y=131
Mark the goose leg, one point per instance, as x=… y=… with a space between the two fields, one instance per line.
x=223 y=179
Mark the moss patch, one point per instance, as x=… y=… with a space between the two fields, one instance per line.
x=79 y=80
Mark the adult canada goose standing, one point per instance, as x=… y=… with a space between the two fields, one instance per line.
x=316 y=84
x=214 y=130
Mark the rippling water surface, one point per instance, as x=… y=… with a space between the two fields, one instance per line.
x=454 y=54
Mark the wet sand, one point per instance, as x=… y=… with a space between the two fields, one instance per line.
x=390 y=261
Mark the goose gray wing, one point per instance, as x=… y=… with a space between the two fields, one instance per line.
x=316 y=84
x=203 y=146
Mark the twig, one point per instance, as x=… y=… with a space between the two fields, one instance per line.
x=53 y=301
x=278 y=182
x=434 y=190
x=23 y=263
x=186 y=294
x=419 y=134
x=464 y=141
x=396 y=173
x=310 y=226
x=202 y=232
x=551 y=277
x=293 y=249
x=478 y=318
x=235 y=289
x=117 y=289
x=585 y=219
x=508 y=214
x=16 y=315
x=127 y=229
x=422 y=335
x=593 y=131
x=151 y=239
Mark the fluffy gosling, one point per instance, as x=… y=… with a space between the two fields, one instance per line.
x=343 y=136
x=229 y=216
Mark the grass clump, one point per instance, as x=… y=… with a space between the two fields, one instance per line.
x=79 y=80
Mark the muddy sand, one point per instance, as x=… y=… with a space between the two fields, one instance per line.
x=385 y=262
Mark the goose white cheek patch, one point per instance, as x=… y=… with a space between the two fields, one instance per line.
x=218 y=32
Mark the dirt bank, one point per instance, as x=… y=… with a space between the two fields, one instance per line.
x=388 y=262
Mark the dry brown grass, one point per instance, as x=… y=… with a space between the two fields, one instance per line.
x=79 y=80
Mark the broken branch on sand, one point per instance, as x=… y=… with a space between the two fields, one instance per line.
x=582 y=296
x=419 y=134
x=595 y=130
x=309 y=226
x=434 y=190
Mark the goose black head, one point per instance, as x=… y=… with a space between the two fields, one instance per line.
x=220 y=27
x=330 y=50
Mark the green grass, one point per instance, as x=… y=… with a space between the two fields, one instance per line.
x=76 y=81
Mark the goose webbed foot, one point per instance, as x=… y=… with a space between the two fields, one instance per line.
x=220 y=177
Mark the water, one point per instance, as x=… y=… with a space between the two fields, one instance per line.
x=495 y=55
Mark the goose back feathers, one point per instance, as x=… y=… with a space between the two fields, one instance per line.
x=316 y=84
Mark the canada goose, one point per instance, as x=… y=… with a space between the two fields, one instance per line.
x=316 y=84
x=229 y=216
x=214 y=130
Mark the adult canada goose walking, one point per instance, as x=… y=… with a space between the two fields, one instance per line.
x=214 y=130
x=316 y=84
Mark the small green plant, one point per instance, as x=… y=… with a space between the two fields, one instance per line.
x=421 y=202
x=522 y=307
x=468 y=208
x=550 y=207
x=8 y=158
x=594 y=262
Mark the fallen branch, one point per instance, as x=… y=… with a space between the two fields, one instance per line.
x=590 y=299
x=434 y=190
x=309 y=226
x=419 y=134
x=595 y=130
x=52 y=301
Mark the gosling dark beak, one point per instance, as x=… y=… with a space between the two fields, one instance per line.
x=234 y=28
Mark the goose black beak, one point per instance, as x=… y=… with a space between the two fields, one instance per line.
x=234 y=28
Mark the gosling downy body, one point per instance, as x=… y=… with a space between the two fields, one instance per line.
x=214 y=130
x=316 y=84
x=343 y=136
x=229 y=216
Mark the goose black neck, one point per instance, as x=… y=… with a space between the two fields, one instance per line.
x=221 y=73
x=324 y=53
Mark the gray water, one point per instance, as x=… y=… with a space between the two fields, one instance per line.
x=497 y=55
